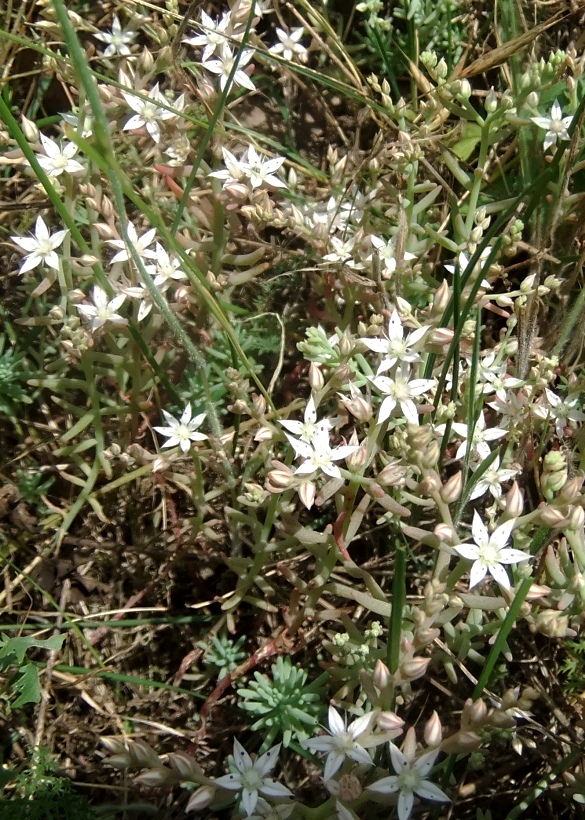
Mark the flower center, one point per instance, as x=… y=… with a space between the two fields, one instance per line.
x=409 y=780
x=252 y=780
x=489 y=555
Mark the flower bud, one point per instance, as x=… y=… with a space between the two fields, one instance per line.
x=440 y=299
x=554 y=474
x=464 y=89
x=445 y=533
x=461 y=743
x=431 y=482
x=259 y=405
x=571 y=490
x=30 y=130
x=514 y=502
x=576 y=519
x=433 y=730
x=491 y=101
x=307 y=493
x=551 y=516
x=414 y=669
x=201 y=798
x=355 y=461
x=357 y=405
x=278 y=480
x=389 y=722
x=391 y=475
x=185 y=766
x=551 y=623
x=441 y=336
x=451 y=490
x=155 y=777
x=316 y=378
x=474 y=713
x=381 y=676
x=143 y=755
x=345 y=346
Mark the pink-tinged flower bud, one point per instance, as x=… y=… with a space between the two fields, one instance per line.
x=357 y=405
x=201 y=798
x=433 y=731
x=356 y=460
x=571 y=490
x=143 y=755
x=414 y=669
x=514 y=502
x=461 y=743
x=431 y=482
x=185 y=766
x=446 y=533
x=551 y=516
x=409 y=744
x=381 y=676
x=120 y=761
x=551 y=623
x=425 y=637
x=451 y=490
x=440 y=336
x=430 y=456
x=279 y=479
x=440 y=299
x=474 y=713
x=156 y=777
x=114 y=745
x=537 y=592
x=259 y=405
x=390 y=722
x=316 y=377
x=105 y=231
x=307 y=493
x=391 y=475
x=237 y=191
x=182 y=295
x=576 y=519
x=264 y=434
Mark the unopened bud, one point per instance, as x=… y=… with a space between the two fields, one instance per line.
x=445 y=533
x=316 y=378
x=440 y=299
x=105 y=231
x=465 y=89
x=474 y=713
x=389 y=722
x=381 y=676
x=30 y=130
x=571 y=490
x=345 y=346
x=155 y=777
x=514 y=502
x=259 y=405
x=491 y=101
x=451 y=490
x=201 y=798
x=554 y=474
x=391 y=475
x=431 y=482
x=433 y=730
x=441 y=336
x=551 y=516
x=414 y=669
x=461 y=743
x=185 y=766
x=576 y=519
x=307 y=493
x=279 y=480
x=355 y=461
x=143 y=755
x=551 y=623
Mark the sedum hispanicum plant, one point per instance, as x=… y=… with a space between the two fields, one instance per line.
x=294 y=342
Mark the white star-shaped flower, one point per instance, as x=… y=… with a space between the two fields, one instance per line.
x=557 y=126
x=410 y=779
x=103 y=309
x=40 y=249
x=223 y=65
x=214 y=34
x=492 y=480
x=253 y=168
x=489 y=552
x=149 y=112
x=182 y=431
x=141 y=244
x=341 y=743
x=480 y=448
x=319 y=455
x=564 y=410
x=58 y=159
x=401 y=390
x=289 y=45
x=251 y=778
x=166 y=270
x=118 y=39
x=394 y=346
x=385 y=251
x=307 y=429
